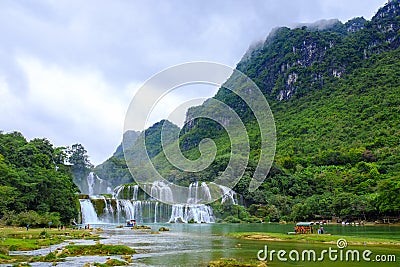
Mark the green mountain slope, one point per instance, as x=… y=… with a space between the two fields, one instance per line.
x=115 y=169
x=335 y=95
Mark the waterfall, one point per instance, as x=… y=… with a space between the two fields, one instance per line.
x=162 y=192
x=117 y=191
x=133 y=210
x=132 y=202
x=198 y=213
x=227 y=194
x=96 y=185
x=135 y=192
x=107 y=206
x=206 y=191
x=126 y=192
x=198 y=194
x=89 y=214
x=155 y=212
x=90 y=183
x=192 y=196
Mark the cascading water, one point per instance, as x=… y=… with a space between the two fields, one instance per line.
x=89 y=214
x=131 y=202
x=90 y=182
x=227 y=195
x=126 y=192
x=95 y=185
x=162 y=192
x=197 y=213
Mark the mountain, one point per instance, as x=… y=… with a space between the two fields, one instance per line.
x=334 y=91
x=131 y=137
x=115 y=170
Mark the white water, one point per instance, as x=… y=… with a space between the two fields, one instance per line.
x=198 y=213
x=130 y=202
x=126 y=192
x=90 y=183
x=89 y=214
x=162 y=192
x=96 y=185
x=155 y=212
x=227 y=195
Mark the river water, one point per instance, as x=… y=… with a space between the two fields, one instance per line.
x=198 y=244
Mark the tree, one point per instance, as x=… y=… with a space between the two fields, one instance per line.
x=389 y=196
x=78 y=158
x=30 y=183
x=8 y=195
x=80 y=165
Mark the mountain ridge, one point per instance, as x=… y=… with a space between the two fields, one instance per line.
x=334 y=93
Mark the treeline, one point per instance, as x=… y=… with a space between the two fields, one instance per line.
x=338 y=126
x=335 y=97
x=36 y=182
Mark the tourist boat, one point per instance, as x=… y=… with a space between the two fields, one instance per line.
x=131 y=223
x=304 y=228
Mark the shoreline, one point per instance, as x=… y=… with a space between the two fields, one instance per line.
x=314 y=238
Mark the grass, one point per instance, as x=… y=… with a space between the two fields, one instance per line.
x=313 y=238
x=111 y=262
x=224 y=262
x=84 y=250
x=17 y=238
x=98 y=249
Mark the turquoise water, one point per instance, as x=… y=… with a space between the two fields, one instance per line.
x=198 y=244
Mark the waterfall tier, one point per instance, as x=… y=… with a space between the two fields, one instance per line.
x=89 y=214
x=131 y=202
x=198 y=193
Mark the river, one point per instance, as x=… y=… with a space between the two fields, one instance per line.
x=197 y=244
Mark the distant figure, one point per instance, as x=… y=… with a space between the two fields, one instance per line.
x=27 y=227
x=134 y=222
x=321 y=229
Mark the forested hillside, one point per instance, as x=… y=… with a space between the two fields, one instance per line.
x=36 y=185
x=334 y=91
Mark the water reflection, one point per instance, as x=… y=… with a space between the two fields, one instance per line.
x=197 y=244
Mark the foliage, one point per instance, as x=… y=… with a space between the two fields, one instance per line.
x=31 y=218
x=334 y=94
x=13 y=238
x=77 y=157
x=314 y=238
x=337 y=126
x=98 y=249
x=34 y=182
x=111 y=262
x=230 y=262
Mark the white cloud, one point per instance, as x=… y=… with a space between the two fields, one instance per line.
x=76 y=105
x=10 y=104
x=70 y=68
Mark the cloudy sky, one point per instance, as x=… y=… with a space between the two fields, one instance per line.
x=69 y=69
